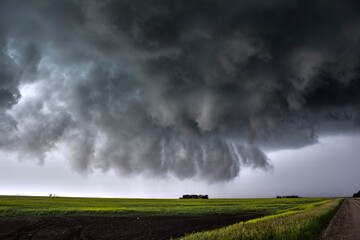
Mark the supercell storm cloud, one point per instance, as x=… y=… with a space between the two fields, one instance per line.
x=191 y=88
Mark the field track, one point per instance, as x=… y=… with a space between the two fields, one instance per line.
x=345 y=224
x=100 y=227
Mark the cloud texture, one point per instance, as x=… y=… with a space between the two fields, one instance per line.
x=180 y=88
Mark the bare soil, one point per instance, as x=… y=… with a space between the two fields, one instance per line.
x=345 y=225
x=119 y=228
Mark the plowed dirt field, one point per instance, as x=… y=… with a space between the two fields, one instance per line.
x=103 y=227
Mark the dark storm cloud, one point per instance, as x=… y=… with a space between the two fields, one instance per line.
x=183 y=88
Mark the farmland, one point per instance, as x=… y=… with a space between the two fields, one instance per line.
x=20 y=206
x=71 y=218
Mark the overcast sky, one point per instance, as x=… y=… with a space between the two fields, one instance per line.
x=160 y=98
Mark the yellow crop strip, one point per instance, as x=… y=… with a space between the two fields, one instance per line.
x=300 y=224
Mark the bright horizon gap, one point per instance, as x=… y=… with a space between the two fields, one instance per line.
x=301 y=176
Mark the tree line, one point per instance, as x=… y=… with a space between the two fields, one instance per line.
x=187 y=196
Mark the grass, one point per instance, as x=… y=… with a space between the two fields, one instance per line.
x=291 y=225
x=21 y=206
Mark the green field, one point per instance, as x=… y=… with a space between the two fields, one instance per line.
x=293 y=219
x=20 y=206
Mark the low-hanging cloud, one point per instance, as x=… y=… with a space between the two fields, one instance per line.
x=185 y=88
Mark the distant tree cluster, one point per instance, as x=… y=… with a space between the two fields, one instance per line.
x=290 y=196
x=53 y=195
x=357 y=194
x=195 y=197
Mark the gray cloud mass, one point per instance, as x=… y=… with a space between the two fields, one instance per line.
x=176 y=88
